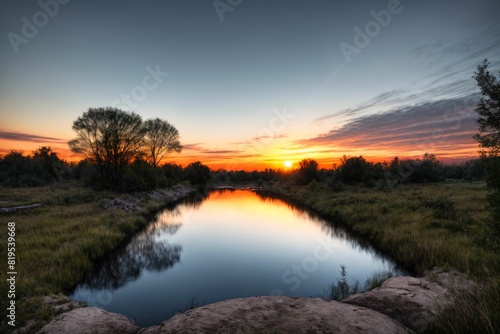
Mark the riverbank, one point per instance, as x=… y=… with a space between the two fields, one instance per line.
x=421 y=227
x=58 y=243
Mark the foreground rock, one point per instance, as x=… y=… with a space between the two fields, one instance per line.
x=279 y=314
x=398 y=302
x=89 y=320
x=415 y=302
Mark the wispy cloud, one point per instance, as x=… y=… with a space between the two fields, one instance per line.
x=266 y=137
x=448 y=66
x=192 y=147
x=381 y=99
x=470 y=47
x=443 y=125
x=17 y=136
x=199 y=149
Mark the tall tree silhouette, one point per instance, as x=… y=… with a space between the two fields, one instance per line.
x=110 y=138
x=488 y=137
x=160 y=139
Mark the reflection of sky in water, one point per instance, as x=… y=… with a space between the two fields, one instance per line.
x=234 y=244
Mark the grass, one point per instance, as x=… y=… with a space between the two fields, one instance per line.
x=419 y=226
x=479 y=313
x=57 y=244
x=422 y=227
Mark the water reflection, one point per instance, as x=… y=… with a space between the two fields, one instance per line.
x=144 y=252
x=227 y=244
x=331 y=227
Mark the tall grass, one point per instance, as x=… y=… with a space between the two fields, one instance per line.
x=476 y=314
x=59 y=243
x=422 y=227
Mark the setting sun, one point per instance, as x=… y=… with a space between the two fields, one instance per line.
x=288 y=164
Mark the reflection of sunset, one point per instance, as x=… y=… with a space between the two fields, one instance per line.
x=271 y=216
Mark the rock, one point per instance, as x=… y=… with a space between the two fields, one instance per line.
x=61 y=303
x=135 y=202
x=398 y=302
x=278 y=314
x=89 y=320
x=415 y=302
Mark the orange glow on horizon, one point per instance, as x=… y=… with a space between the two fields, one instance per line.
x=272 y=158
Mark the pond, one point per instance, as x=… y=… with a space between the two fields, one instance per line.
x=230 y=244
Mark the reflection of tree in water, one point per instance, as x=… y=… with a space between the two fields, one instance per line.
x=143 y=252
x=192 y=201
x=148 y=250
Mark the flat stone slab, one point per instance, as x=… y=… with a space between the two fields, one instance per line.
x=279 y=314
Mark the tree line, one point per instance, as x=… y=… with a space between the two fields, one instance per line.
x=358 y=171
x=43 y=167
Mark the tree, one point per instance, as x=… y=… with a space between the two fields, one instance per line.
x=488 y=137
x=308 y=171
x=488 y=109
x=16 y=170
x=44 y=167
x=160 y=139
x=429 y=169
x=109 y=138
x=354 y=170
x=197 y=173
x=53 y=167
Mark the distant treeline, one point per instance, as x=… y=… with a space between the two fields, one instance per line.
x=356 y=170
x=43 y=167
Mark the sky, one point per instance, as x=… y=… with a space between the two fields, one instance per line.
x=251 y=84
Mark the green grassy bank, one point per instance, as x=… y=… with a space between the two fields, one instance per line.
x=58 y=243
x=421 y=227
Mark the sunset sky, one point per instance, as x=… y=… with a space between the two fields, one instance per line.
x=252 y=83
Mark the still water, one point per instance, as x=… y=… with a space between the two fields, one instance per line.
x=231 y=244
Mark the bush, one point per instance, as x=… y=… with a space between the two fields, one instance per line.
x=141 y=176
x=308 y=171
x=44 y=167
x=172 y=172
x=197 y=173
x=354 y=170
